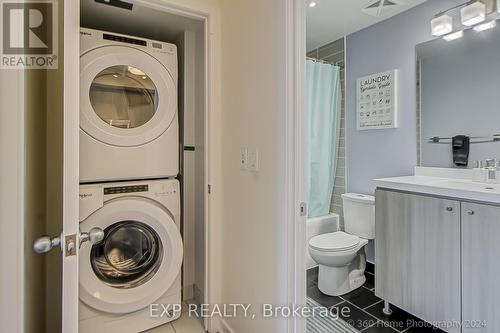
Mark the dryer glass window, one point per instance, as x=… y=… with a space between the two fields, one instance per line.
x=124 y=96
x=129 y=255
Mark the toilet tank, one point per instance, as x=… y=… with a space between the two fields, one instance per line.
x=359 y=214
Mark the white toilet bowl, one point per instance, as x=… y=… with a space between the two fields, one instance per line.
x=341 y=255
x=341 y=260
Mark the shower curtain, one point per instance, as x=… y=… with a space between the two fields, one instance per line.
x=323 y=98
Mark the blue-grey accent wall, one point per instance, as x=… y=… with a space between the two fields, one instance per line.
x=386 y=45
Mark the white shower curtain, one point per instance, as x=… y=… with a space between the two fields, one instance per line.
x=323 y=115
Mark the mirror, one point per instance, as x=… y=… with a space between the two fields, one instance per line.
x=458 y=85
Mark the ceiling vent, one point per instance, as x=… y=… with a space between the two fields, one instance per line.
x=377 y=8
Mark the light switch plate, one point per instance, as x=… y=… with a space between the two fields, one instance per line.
x=253 y=159
x=244 y=159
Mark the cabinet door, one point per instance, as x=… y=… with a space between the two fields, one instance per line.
x=417 y=255
x=480 y=268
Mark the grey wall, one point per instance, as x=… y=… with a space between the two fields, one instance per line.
x=459 y=95
x=333 y=53
x=389 y=44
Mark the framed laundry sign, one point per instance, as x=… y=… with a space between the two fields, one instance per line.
x=377 y=101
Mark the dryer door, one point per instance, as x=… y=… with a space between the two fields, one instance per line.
x=127 y=97
x=138 y=260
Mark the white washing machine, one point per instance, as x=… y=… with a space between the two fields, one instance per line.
x=129 y=125
x=138 y=263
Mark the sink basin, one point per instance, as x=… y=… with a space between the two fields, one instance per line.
x=467 y=185
x=459 y=188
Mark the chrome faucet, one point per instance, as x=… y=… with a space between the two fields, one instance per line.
x=491 y=170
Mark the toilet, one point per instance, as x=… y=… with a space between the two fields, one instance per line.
x=341 y=255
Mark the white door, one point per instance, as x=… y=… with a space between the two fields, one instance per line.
x=57 y=253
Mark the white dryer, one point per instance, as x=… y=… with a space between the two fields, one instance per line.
x=128 y=108
x=138 y=263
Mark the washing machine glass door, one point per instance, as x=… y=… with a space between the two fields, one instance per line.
x=127 y=97
x=129 y=255
x=138 y=260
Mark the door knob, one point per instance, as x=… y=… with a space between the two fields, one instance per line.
x=470 y=212
x=45 y=243
x=94 y=236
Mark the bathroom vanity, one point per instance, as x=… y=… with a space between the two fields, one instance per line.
x=437 y=248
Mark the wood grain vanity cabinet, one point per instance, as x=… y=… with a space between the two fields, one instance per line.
x=480 y=268
x=417 y=251
x=439 y=259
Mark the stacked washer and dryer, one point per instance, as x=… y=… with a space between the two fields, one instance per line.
x=129 y=161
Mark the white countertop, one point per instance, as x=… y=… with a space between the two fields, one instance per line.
x=434 y=181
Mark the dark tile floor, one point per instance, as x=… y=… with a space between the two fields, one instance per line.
x=363 y=310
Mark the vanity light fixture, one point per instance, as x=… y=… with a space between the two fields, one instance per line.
x=442 y=25
x=453 y=36
x=485 y=26
x=473 y=13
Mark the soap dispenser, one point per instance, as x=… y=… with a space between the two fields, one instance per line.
x=478 y=172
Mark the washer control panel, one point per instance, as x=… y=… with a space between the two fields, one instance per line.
x=164 y=191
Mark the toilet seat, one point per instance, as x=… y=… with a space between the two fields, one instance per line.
x=334 y=242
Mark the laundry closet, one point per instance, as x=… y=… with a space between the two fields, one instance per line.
x=142 y=164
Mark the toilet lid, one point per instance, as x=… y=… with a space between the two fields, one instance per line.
x=335 y=241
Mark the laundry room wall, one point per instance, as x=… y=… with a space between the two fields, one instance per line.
x=252 y=255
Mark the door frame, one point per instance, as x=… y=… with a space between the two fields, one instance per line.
x=294 y=158
x=12 y=173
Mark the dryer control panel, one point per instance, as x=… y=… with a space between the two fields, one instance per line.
x=126 y=189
